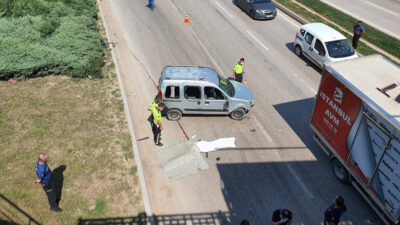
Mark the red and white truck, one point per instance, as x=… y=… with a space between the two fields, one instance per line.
x=356 y=120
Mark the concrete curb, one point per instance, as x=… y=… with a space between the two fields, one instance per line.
x=142 y=180
x=290 y=13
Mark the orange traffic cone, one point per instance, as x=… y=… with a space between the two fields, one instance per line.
x=245 y=82
x=187 y=18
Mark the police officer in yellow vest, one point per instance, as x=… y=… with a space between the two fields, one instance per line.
x=154 y=103
x=238 y=71
x=157 y=125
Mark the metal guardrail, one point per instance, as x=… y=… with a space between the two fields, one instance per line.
x=10 y=213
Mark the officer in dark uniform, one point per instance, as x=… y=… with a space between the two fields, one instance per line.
x=43 y=173
x=282 y=217
x=332 y=214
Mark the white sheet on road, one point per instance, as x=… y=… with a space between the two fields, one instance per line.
x=185 y=159
x=209 y=146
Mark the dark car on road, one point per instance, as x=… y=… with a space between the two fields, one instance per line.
x=257 y=9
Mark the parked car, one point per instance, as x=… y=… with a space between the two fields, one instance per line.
x=201 y=90
x=322 y=44
x=257 y=9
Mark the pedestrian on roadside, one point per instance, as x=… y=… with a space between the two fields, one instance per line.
x=154 y=103
x=282 y=217
x=238 y=71
x=333 y=213
x=43 y=173
x=157 y=125
x=151 y=5
x=358 y=30
x=245 y=222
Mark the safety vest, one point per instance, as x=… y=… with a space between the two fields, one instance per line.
x=153 y=105
x=238 y=68
x=156 y=116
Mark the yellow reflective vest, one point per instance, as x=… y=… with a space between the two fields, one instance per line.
x=238 y=68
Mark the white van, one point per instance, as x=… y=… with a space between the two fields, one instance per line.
x=322 y=44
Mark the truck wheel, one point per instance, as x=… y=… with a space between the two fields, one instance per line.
x=238 y=114
x=174 y=114
x=340 y=171
x=297 y=50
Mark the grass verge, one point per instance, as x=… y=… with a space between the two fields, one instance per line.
x=81 y=125
x=374 y=36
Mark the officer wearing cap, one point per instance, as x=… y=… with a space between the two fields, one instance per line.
x=43 y=173
x=238 y=71
x=282 y=217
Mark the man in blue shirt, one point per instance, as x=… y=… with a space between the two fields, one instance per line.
x=43 y=173
x=358 y=30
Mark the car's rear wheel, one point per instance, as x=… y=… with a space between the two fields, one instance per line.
x=174 y=114
x=297 y=50
x=238 y=114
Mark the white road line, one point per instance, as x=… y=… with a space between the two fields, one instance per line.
x=258 y=41
x=302 y=185
x=223 y=9
x=265 y=133
x=356 y=16
x=283 y=15
x=381 y=8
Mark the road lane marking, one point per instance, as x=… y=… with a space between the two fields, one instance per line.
x=258 y=41
x=302 y=185
x=356 y=16
x=283 y=15
x=223 y=9
x=381 y=8
x=263 y=131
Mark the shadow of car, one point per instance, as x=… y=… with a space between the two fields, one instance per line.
x=257 y=9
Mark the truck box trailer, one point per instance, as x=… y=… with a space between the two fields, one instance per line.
x=356 y=120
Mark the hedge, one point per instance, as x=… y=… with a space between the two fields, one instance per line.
x=41 y=37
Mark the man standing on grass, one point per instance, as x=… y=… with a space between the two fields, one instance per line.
x=43 y=173
x=358 y=30
x=157 y=125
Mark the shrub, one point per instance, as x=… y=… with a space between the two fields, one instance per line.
x=41 y=37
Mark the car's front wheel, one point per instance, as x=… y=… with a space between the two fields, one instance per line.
x=238 y=114
x=174 y=114
x=297 y=50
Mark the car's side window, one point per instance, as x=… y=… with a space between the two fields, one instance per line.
x=172 y=92
x=309 y=38
x=302 y=32
x=319 y=47
x=192 y=92
x=212 y=93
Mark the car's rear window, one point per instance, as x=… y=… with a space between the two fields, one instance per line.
x=339 y=49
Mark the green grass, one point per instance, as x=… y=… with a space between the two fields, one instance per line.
x=80 y=124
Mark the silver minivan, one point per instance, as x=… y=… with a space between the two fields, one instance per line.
x=322 y=44
x=201 y=90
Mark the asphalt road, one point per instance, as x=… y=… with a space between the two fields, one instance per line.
x=382 y=14
x=276 y=163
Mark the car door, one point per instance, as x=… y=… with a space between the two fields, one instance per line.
x=215 y=101
x=318 y=53
x=308 y=41
x=192 y=99
x=245 y=5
